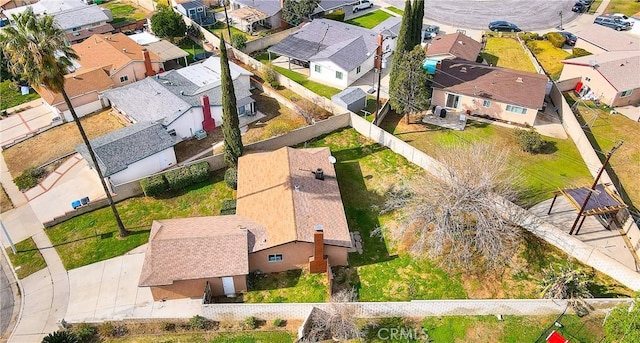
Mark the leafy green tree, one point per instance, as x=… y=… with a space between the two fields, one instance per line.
x=530 y=140
x=230 y=123
x=418 y=15
x=622 y=325
x=296 y=11
x=61 y=336
x=239 y=41
x=408 y=89
x=37 y=51
x=167 y=23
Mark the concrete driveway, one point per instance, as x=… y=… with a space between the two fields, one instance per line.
x=476 y=14
x=108 y=290
x=23 y=123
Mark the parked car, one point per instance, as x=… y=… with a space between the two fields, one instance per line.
x=569 y=38
x=580 y=7
x=362 y=5
x=502 y=25
x=612 y=23
x=430 y=31
x=623 y=18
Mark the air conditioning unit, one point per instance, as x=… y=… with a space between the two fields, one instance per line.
x=76 y=34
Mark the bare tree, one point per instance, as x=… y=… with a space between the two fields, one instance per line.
x=455 y=218
x=568 y=282
x=339 y=322
x=310 y=109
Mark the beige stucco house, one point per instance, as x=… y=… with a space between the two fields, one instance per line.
x=598 y=39
x=289 y=215
x=509 y=95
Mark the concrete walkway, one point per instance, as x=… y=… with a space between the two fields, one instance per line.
x=17 y=198
x=25 y=120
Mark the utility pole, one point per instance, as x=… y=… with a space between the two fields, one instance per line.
x=226 y=20
x=378 y=66
x=6 y=234
x=593 y=187
x=560 y=27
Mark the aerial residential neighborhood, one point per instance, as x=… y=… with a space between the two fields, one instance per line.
x=320 y=171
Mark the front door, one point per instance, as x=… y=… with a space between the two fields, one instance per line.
x=228 y=287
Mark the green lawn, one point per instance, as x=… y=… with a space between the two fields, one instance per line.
x=93 y=236
x=370 y=20
x=221 y=29
x=507 y=53
x=627 y=7
x=395 y=10
x=27 y=260
x=318 y=88
x=549 y=56
x=222 y=337
x=191 y=47
x=122 y=11
x=10 y=96
x=291 y=286
x=595 y=5
x=480 y=329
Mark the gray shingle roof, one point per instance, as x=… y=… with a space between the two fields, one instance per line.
x=350 y=95
x=191 y=4
x=389 y=26
x=323 y=39
x=268 y=7
x=116 y=150
x=80 y=16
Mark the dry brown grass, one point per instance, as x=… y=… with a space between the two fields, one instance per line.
x=57 y=142
x=5 y=202
x=280 y=120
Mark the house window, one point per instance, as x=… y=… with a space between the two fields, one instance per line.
x=200 y=9
x=516 y=109
x=241 y=110
x=124 y=78
x=486 y=103
x=453 y=101
x=317 y=68
x=626 y=93
x=339 y=75
x=275 y=257
x=358 y=70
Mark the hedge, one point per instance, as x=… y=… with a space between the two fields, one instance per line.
x=228 y=207
x=175 y=179
x=154 y=185
x=578 y=52
x=556 y=39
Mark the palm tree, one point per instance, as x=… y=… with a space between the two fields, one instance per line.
x=36 y=50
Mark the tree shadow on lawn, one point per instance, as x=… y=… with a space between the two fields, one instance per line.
x=214 y=177
x=101 y=235
x=270 y=281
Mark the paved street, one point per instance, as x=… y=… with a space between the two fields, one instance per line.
x=8 y=306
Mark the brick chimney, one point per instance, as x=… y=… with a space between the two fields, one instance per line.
x=208 y=123
x=318 y=263
x=147 y=63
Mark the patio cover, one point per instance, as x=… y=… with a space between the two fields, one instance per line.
x=248 y=14
x=601 y=201
x=166 y=51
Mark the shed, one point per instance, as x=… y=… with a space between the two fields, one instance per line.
x=352 y=98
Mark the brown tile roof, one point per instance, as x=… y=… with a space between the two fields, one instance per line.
x=608 y=39
x=85 y=81
x=278 y=190
x=196 y=248
x=615 y=66
x=494 y=83
x=80 y=35
x=455 y=44
x=112 y=51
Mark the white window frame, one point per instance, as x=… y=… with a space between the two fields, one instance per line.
x=516 y=109
x=317 y=68
x=339 y=75
x=124 y=78
x=456 y=101
x=486 y=103
x=626 y=93
x=275 y=258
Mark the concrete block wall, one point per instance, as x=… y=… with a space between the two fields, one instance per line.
x=269 y=40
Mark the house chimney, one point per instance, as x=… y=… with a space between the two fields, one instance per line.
x=147 y=63
x=319 y=174
x=208 y=123
x=318 y=263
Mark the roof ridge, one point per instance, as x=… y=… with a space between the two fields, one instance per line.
x=290 y=179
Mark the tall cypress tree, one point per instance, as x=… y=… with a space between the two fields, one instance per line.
x=418 y=16
x=230 y=123
x=403 y=44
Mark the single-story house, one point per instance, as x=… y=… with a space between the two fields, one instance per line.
x=9 y=4
x=196 y=11
x=478 y=89
x=246 y=15
x=453 y=45
x=337 y=53
x=82 y=22
x=132 y=152
x=352 y=98
x=303 y=226
x=44 y=6
x=123 y=60
x=184 y=101
x=330 y=6
x=607 y=76
x=83 y=88
x=207 y=3
x=389 y=29
x=598 y=39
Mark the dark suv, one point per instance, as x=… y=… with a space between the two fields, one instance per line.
x=580 y=7
x=612 y=23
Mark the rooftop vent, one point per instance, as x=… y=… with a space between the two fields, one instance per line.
x=181 y=92
x=519 y=80
x=463 y=69
x=318 y=228
x=296 y=187
x=124 y=50
x=319 y=174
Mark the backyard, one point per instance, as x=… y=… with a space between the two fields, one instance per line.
x=507 y=53
x=93 y=236
x=549 y=56
x=290 y=286
x=27 y=259
x=10 y=96
x=192 y=48
x=221 y=29
x=605 y=130
x=370 y=20
x=57 y=142
x=125 y=11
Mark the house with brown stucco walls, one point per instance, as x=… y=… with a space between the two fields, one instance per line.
x=289 y=215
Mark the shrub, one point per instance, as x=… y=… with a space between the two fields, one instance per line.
x=228 y=207
x=578 y=52
x=337 y=15
x=231 y=178
x=555 y=38
x=271 y=76
x=84 y=332
x=61 y=336
x=529 y=140
x=187 y=176
x=250 y=323
x=199 y=172
x=168 y=326
x=239 y=41
x=197 y=322
x=278 y=322
x=29 y=178
x=154 y=185
x=106 y=329
x=527 y=36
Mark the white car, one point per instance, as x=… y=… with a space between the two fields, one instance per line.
x=623 y=18
x=362 y=5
